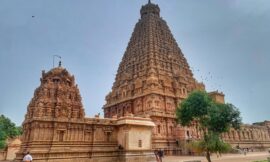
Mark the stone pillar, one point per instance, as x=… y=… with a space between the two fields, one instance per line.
x=134 y=136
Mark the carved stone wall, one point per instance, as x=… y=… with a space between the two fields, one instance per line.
x=249 y=136
x=253 y=137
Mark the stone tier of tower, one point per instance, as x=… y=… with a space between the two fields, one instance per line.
x=153 y=76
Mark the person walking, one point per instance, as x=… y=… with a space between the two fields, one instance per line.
x=27 y=157
x=160 y=154
x=245 y=152
x=157 y=155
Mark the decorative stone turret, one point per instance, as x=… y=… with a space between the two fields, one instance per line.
x=217 y=96
x=57 y=97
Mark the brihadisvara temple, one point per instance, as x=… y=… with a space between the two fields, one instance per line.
x=140 y=111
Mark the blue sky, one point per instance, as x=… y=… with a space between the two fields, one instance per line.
x=226 y=42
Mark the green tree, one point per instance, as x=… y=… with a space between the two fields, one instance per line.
x=212 y=119
x=7 y=130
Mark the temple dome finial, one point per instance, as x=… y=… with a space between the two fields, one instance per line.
x=150 y=8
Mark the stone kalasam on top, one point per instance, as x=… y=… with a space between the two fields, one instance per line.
x=154 y=77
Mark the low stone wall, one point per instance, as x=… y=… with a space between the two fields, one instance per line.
x=13 y=148
x=3 y=155
x=11 y=153
x=126 y=139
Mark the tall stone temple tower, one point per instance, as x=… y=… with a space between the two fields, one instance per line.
x=153 y=77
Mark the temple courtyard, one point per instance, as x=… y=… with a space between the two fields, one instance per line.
x=249 y=157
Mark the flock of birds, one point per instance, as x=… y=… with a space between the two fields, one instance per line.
x=208 y=77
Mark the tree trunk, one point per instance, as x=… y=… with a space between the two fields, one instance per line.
x=208 y=156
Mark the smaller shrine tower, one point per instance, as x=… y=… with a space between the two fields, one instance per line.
x=56 y=102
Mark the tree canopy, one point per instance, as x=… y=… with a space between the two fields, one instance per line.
x=212 y=118
x=7 y=130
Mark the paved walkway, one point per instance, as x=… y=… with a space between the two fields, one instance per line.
x=250 y=157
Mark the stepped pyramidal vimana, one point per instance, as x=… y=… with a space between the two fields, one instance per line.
x=152 y=79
